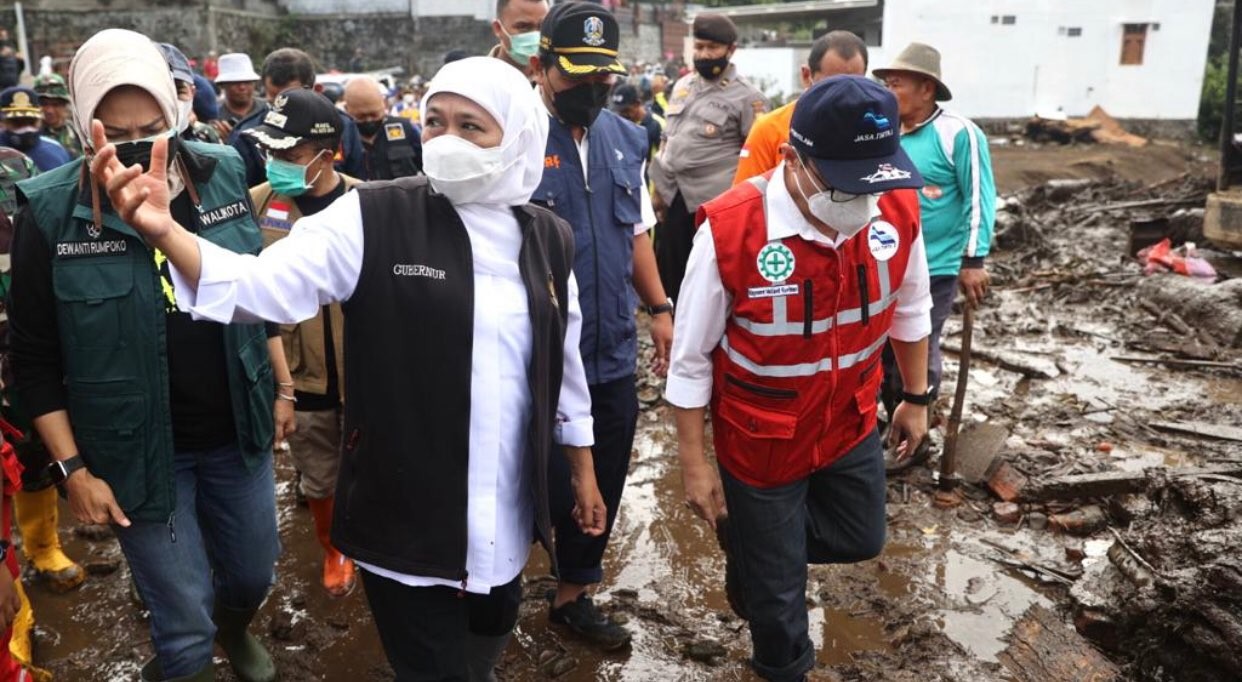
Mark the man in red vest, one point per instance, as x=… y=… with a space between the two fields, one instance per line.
x=796 y=281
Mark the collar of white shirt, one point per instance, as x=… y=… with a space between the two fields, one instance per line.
x=785 y=220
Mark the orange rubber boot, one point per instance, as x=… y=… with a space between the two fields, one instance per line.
x=338 y=571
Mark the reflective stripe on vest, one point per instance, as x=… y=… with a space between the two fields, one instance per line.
x=804 y=369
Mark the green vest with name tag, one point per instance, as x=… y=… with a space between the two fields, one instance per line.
x=110 y=304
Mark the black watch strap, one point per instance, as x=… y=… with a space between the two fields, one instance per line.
x=4 y=550
x=60 y=471
x=916 y=398
x=666 y=307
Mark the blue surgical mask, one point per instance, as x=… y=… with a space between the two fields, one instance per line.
x=288 y=178
x=523 y=46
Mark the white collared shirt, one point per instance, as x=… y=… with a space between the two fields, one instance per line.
x=705 y=306
x=320 y=262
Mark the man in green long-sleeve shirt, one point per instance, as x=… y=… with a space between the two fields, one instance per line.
x=957 y=203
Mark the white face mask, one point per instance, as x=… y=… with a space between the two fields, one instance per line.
x=848 y=218
x=184 y=109
x=462 y=171
x=408 y=98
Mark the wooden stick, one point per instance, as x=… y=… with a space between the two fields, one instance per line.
x=1173 y=362
x=948 y=462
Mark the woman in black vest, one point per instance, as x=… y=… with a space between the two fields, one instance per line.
x=462 y=363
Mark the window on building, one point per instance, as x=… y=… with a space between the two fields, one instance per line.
x=1133 y=40
x=995 y=18
x=1074 y=32
x=1009 y=20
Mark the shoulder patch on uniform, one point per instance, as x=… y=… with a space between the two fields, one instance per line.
x=394 y=131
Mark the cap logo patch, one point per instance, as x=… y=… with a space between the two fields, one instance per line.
x=884 y=173
x=322 y=129
x=21 y=99
x=801 y=138
x=275 y=118
x=877 y=122
x=280 y=102
x=593 y=32
x=883 y=240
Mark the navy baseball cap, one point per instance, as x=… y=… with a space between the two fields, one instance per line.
x=849 y=127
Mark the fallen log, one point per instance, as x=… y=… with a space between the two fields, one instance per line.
x=1216 y=431
x=1216 y=308
x=1112 y=483
x=1027 y=366
x=1044 y=649
x=1148 y=203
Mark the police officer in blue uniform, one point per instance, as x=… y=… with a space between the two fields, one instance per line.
x=22 y=121
x=593 y=178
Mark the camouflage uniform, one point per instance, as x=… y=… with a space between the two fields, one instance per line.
x=52 y=86
x=14 y=167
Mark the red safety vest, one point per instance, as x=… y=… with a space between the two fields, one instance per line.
x=796 y=375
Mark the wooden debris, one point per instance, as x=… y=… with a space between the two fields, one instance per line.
x=1035 y=368
x=1044 y=649
x=1007 y=512
x=1214 y=431
x=1080 y=522
x=1106 y=484
x=1175 y=362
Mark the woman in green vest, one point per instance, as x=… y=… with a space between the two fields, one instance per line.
x=158 y=424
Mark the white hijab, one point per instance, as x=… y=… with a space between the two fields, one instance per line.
x=110 y=59
x=504 y=93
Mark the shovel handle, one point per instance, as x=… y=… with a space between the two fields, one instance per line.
x=948 y=462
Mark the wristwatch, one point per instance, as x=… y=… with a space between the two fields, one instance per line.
x=666 y=307
x=916 y=398
x=4 y=550
x=60 y=471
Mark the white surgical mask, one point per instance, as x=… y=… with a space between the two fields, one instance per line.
x=462 y=171
x=408 y=98
x=184 y=109
x=848 y=218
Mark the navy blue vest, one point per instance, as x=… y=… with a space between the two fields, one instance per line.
x=603 y=213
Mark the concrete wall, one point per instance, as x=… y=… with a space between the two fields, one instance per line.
x=1033 y=65
x=388 y=40
x=479 y=9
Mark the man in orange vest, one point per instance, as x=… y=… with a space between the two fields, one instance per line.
x=796 y=280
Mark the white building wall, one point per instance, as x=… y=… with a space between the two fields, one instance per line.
x=1006 y=71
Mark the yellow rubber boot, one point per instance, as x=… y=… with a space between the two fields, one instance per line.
x=20 y=646
x=36 y=515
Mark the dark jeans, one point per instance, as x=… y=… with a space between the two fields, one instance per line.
x=835 y=516
x=943 y=291
x=426 y=630
x=220 y=546
x=673 y=239
x=614 y=407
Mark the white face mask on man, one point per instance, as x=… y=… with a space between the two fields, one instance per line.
x=462 y=171
x=847 y=217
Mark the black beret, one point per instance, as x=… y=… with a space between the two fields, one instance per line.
x=715 y=27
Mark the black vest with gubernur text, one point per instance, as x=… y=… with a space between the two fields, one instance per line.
x=401 y=496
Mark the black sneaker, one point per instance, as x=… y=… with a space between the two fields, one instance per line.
x=733 y=591
x=582 y=617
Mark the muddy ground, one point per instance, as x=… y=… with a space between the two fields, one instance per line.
x=940 y=602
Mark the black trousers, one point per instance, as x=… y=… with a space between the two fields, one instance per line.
x=425 y=630
x=673 y=240
x=614 y=407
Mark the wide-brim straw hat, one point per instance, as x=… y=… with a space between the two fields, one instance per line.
x=921 y=59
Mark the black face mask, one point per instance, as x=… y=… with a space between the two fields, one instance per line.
x=580 y=105
x=370 y=128
x=139 y=152
x=25 y=141
x=711 y=69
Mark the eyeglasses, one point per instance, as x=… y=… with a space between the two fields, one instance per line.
x=836 y=195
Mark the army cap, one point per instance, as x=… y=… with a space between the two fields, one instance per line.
x=51 y=86
x=583 y=37
x=297 y=115
x=20 y=102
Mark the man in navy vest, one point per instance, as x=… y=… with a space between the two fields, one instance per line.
x=593 y=178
